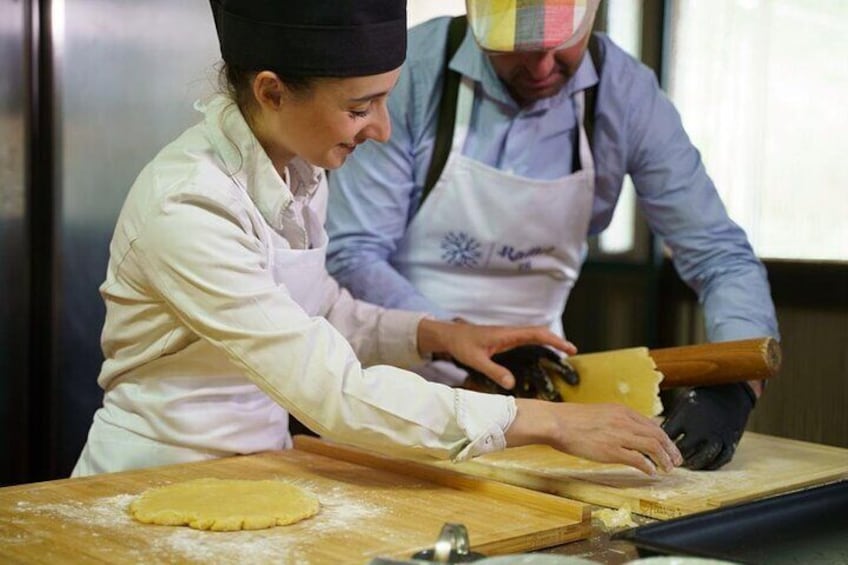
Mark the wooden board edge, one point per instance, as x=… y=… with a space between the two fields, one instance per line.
x=565 y=507
x=812 y=480
x=583 y=491
x=540 y=540
x=800 y=443
x=536 y=541
x=611 y=497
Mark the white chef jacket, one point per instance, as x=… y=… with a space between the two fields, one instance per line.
x=205 y=344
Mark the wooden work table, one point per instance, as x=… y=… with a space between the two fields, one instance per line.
x=374 y=506
x=369 y=508
x=15 y=547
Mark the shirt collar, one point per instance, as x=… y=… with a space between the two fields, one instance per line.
x=246 y=162
x=469 y=60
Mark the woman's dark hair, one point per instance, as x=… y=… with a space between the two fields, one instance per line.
x=236 y=82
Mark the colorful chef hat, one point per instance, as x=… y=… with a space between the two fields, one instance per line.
x=530 y=25
x=337 y=38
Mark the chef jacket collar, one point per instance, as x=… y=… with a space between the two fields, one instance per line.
x=246 y=162
x=471 y=61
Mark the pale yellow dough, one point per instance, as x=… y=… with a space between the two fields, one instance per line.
x=225 y=504
x=614 y=519
x=624 y=376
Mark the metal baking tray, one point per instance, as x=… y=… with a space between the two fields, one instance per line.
x=808 y=526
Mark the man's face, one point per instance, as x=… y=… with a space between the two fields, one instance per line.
x=533 y=75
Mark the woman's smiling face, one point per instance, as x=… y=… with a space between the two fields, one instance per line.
x=325 y=123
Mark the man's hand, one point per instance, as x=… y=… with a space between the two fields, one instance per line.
x=707 y=422
x=535 y=369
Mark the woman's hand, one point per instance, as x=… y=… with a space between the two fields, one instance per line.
x=607 y=433
x=474 y=345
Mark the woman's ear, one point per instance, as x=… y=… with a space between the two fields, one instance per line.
x=268 y=90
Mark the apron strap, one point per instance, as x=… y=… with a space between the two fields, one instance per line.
x=447 y=106
x=589 y=97
x=591 y=93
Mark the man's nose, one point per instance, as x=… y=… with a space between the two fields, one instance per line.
x=540 y=64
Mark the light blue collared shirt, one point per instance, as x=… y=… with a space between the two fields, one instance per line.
x=637 y=132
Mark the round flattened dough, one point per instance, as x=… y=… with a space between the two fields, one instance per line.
x=225 y=505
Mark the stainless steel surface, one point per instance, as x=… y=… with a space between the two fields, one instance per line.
x=90 y=91
x=13 y=258
x=127 y=76
x=452 y=546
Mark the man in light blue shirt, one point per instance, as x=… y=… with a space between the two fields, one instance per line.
x=501 y=236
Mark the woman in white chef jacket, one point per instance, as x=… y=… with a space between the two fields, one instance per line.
x=220 y=316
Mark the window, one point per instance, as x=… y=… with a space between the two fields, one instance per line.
x=761 y=86
x=619 y=241
x=418 y=11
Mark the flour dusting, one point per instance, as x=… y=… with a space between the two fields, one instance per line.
x=683 y=482
x=341 y=513
x=106 y=512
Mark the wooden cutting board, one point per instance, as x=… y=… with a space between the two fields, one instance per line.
x=763 y=466
x=365 y=512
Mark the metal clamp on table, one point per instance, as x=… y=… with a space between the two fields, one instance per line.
x=452 y=546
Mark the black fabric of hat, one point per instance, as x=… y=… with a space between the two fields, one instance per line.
x=303 y=38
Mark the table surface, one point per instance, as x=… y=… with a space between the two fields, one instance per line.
x=367 y=511
x=597 y=547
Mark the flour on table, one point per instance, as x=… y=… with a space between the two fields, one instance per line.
x=341 y=514
x=104 y=512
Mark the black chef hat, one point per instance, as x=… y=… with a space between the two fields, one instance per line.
x=304 y=38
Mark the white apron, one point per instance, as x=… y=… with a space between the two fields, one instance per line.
x=494 y=247
x=202 y=407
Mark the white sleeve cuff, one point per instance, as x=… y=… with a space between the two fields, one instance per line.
x=484 y=418
x=398 y=338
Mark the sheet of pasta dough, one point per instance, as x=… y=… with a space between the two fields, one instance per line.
x=225 y=504
x=625 y=376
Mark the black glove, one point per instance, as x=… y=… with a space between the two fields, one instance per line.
x=711 y=421
x=533 y=367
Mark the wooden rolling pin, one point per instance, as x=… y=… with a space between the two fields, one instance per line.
x=689 y=365
x=718 y=363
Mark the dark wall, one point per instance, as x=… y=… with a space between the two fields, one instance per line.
x=14 y=239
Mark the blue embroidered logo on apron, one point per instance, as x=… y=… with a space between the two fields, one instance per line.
x=460 y=249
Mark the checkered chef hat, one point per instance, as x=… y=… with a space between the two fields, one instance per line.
x=530 y=25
